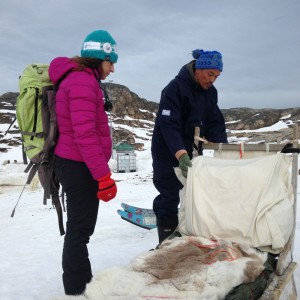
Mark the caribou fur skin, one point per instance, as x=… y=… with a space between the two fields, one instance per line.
x=186 y=268
x=209 y=268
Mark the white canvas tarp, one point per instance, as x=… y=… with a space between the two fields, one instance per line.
x=245 y=201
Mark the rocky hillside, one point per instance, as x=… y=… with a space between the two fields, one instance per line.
x=131 y=110
x=250 y=119
x=127 y=103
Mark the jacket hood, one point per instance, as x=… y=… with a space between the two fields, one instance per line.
x=187 y=74
x=59 y=67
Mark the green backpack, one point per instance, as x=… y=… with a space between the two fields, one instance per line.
x=35 y=112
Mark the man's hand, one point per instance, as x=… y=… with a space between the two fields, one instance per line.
x=184 y=164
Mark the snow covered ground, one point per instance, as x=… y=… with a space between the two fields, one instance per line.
x=31 y=246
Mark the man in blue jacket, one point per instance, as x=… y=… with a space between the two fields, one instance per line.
x=190 y=100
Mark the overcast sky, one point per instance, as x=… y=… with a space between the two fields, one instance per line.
x=259 y=41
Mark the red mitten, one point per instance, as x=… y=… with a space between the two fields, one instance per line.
x=107 y=188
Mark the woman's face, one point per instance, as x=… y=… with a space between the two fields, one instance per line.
x=106 y=68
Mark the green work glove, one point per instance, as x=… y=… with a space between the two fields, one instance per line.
x=184 y=163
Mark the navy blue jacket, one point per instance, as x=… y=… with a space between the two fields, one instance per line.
x=184 y=105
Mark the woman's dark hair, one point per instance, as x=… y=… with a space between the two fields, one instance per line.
x=87 y=62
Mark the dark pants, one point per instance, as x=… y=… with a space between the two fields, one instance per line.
x=82 y=210
x=165 y=205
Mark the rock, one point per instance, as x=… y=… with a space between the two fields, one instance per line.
x=129 y=109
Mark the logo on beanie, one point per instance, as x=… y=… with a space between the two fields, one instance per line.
x=107 y=47
x=91 y=46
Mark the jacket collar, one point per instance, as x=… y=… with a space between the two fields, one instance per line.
x=188 y=73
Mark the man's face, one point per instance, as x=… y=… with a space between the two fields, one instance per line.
x=206 y=77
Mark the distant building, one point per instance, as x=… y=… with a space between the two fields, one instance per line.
x=126 y=159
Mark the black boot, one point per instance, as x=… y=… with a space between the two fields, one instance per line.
x=164 y=232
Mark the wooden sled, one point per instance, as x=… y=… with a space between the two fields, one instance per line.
x=281 y=284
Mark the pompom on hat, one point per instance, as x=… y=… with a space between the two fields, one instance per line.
x=208 y=59
x=100 y=44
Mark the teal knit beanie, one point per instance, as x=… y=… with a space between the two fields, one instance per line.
x=100 y=44
x=208 y=59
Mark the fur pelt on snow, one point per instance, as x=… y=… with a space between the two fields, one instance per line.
x=196 y=264
x=187 y=257
x=182 y=268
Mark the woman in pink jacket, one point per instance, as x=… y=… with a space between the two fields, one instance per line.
x=83 y=149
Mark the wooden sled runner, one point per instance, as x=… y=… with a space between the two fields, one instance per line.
x=281 y=284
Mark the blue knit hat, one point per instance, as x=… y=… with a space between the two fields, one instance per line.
x=208 y=59
x=100 y=44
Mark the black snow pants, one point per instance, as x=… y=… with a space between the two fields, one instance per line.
x=82 y=210
x=165 y=205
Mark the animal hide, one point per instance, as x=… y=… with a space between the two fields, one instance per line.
x=182 y=268
x=196 y=264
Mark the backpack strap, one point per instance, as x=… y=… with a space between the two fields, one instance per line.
x=25 y=161
x=58 y=208
x=51 y=188
x=51 y=183
x=36 y=103
x=49 y=100
x=33 y=134
x=32 y=168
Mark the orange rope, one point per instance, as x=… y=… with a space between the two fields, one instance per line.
x=211 y=258
x=204 y=246
x=241 y=150
x=160 y=297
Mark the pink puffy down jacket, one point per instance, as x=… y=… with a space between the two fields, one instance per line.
x=84 y=133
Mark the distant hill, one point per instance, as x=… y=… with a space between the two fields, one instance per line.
x=133 y=111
